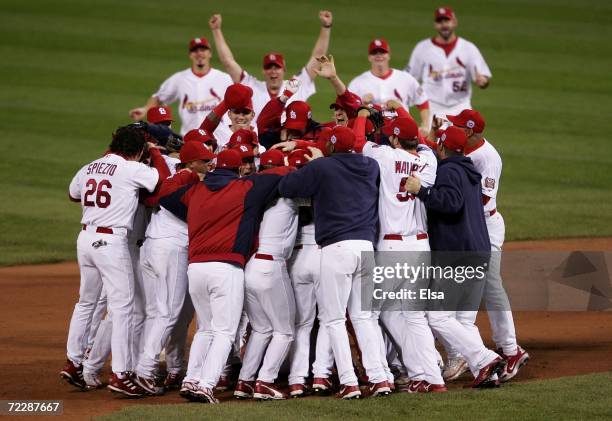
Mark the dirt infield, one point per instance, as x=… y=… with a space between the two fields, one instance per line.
x=37 y=303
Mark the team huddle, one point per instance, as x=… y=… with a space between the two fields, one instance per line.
x=255 y=219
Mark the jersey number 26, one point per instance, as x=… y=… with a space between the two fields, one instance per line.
x=102 y=197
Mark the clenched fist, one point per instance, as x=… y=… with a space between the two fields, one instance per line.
x=413 y=185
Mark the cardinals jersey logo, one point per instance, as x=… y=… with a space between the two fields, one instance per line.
x=489 y=183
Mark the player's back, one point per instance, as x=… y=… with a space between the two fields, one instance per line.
x=278 y=228
x=400 y=212
x=108 y=188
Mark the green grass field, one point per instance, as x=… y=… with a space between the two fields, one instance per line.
x=71 y=70
x=583 y=397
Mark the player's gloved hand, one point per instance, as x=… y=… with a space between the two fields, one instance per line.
x=138 y=114
x=375 y=116
x=289 y=89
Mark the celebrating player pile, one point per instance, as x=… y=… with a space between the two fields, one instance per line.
x=263 y=222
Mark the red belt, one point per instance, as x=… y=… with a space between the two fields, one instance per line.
x=264 y=256
x=493 y=212
x=399 y=237
x=100 y=230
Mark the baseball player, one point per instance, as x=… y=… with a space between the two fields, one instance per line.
x=269 y=299
x=344 y=229
x=222 y=214
x=305 y=273
x=403 y=227
x=237 y=104
x=446 y=65
x=164 y=263
x=197 y=89
x=488 y=162
x=456 y=224
x=108 y=190
x=382 y=83
x=273 y=65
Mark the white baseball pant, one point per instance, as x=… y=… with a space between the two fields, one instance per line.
x=304 y=271
x=409 y=328
x=495 y=297
x=104 y=260
x=177 y=342
x=342 y=272
x=164 y=271
x=270 y=306
x=217 y=293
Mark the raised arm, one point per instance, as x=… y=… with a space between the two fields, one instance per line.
x=327 y=69
x=322 y=44
x=223 y=50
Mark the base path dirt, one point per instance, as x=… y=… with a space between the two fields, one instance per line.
x=37 y=303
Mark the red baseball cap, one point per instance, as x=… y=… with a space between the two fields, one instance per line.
x=229 y=158
x=402 y=127
x=197 y=43
x=378 y=44
x=272 y=157
x=159 y=114
x=245 y=151
x=443 y=13
x=453 y=138
x=298 y=114
x=470 y=119
x=238 y=96
x=271 y=59
x=199 y=135
x=342 y=138
x=193 y=151
x=297 y=158
x=244 y=137
x=349 y=102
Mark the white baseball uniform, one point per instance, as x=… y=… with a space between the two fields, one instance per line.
x=196 y=96
x=488 y=162
x=403 y=227
x=305 y=274
x=397 y=85
x=108 y=191
x=164 y=270
x=447 y=79
x=261 y=95
x=270 y=303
